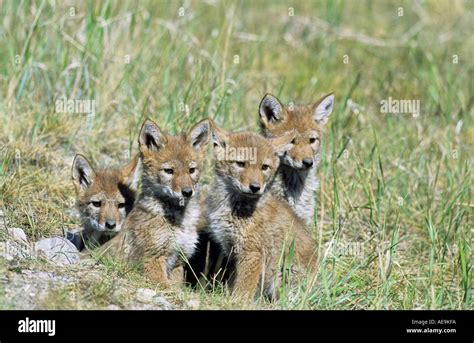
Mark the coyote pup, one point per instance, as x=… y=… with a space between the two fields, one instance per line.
x=296 y=180
x=104 y=198
x=161 y=229
x=252 y=226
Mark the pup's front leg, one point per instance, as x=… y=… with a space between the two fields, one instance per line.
x=177 y=276
x=155 y=268
x=248 y=273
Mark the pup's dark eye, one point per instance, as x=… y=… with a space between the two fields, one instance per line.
x=240 y=163
x=265 y=167
x=96 y=203
x=121 y=205
x=312 y=140
x=168 y=171
x=293 y=141
x=192 y=170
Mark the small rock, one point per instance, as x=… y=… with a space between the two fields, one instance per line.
x=145 y=295
x=58 y=250
x=112 y=307
x=162 y=303
x=193 y=304
x=12 y=250
x=17 y=234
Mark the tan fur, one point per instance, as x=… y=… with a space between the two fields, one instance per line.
x=160 y=232
x=296 y=179
x=255 y=229
x=104 y=197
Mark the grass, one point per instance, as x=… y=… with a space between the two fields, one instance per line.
x=395 y=187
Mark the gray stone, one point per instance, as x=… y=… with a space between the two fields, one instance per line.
x=162 y=303
x=145 y=295
x=17 y=234
x=112 y=307
x=12 y=250
x=57 y=250
x=193 y=304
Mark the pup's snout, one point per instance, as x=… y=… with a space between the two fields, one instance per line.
x=110 y=224
x=187 y=192
x=254 y=187
x=308 y=162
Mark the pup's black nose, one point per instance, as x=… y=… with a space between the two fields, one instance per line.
x=308 y=162
x=254 y=187
x=110 y=224
x=187 y=191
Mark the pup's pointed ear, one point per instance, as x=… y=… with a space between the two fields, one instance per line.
x=199 y=134
x=219 y=135
x=283 y=143
x=151 y=137
x=130 y=174
x=323 y=108
x=271 y=110
x=82 y=173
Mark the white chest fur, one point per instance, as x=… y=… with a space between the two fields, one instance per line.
x=180 y=237
x=298 y=189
